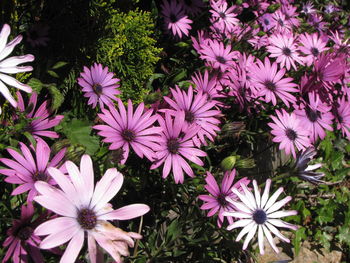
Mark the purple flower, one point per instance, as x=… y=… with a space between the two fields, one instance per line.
x=198 y=110
x=305 y=171
x=127 y=129
x=207 y=85
x=270 y=82
x=37 y=35
x=175 y=19
x=192 y=7
x=284 y=48
x=312 y=46
x=22 y=244
x=42 y=119
x=11 y=65
x=289 y=132
x=27 y=169
x=315 y=117
x=216 y=200
x=223 y=17
x=342 y=113
x=99 y=85
x=175 y=145
x=267 y=21
x=218 y=55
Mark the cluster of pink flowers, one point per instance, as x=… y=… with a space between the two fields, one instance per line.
x=172 y=135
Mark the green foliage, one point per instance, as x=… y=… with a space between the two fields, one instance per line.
x=78 y=133
x=128 y=49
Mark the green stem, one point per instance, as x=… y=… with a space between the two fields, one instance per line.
x=137 y=240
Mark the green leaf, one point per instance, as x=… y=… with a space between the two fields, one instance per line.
x=78 y=132
x=52 y=74
x=35 y=84
x=323 y=238
x=30 y=138
x=57 y=97
x=179 y=76
x=59 y=64
x=299 y=236
x=173 y=230
x=344 y=235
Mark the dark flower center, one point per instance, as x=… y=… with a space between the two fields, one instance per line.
x=97 y=88
x=291 y=134
x=221 y=200
x=280 y=22
x=266 y=21
x=270 y=85
x=286 y=51
x=314 y=51
x=33 y=35
x=87 y=218
x=40 y=176
x=24 y=233
x=312 y=115
x=128 y=135
x=259 y=216
x=173 y=145
x=189 y=116
x=173 y=18
x=221 y=59
x=222 y=15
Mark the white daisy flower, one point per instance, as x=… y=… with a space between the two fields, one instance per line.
x=260 y=213
x=11 y=65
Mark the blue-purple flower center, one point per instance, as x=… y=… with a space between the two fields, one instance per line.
x=314 y=51
x=286 y=51
x=266 y=21
x=259 y=216
x=97 y=88
x=312 y=115
x=173 y=18
x=87 y=218
x=291 y=134
x=24 y=233
x=221 y=199
x=220 y=59
x=270 y=85
x=189 y=116
x=128 y=135
x=40 y=176
x=222 y=15
x=173 y=145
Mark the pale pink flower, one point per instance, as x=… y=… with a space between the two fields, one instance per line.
x=84 y=209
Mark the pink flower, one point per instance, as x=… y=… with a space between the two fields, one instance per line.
x=219 y=56
x=175 y=145
x=270 y=82
x=289 y=132
x=99 y=85
x=22 y=243
x=329 y=68
x=42 y=119
x=207 y=84
x=27 y=169
x=315 y=117
x=223 y=17
x=198 y=110
x=267 y=21
x=84 y=209
x=284 y=48
x=312 y=46
x=129 y=128
x=11 y=65
x=342 y=114
x=216 y=200
x=175 y=18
